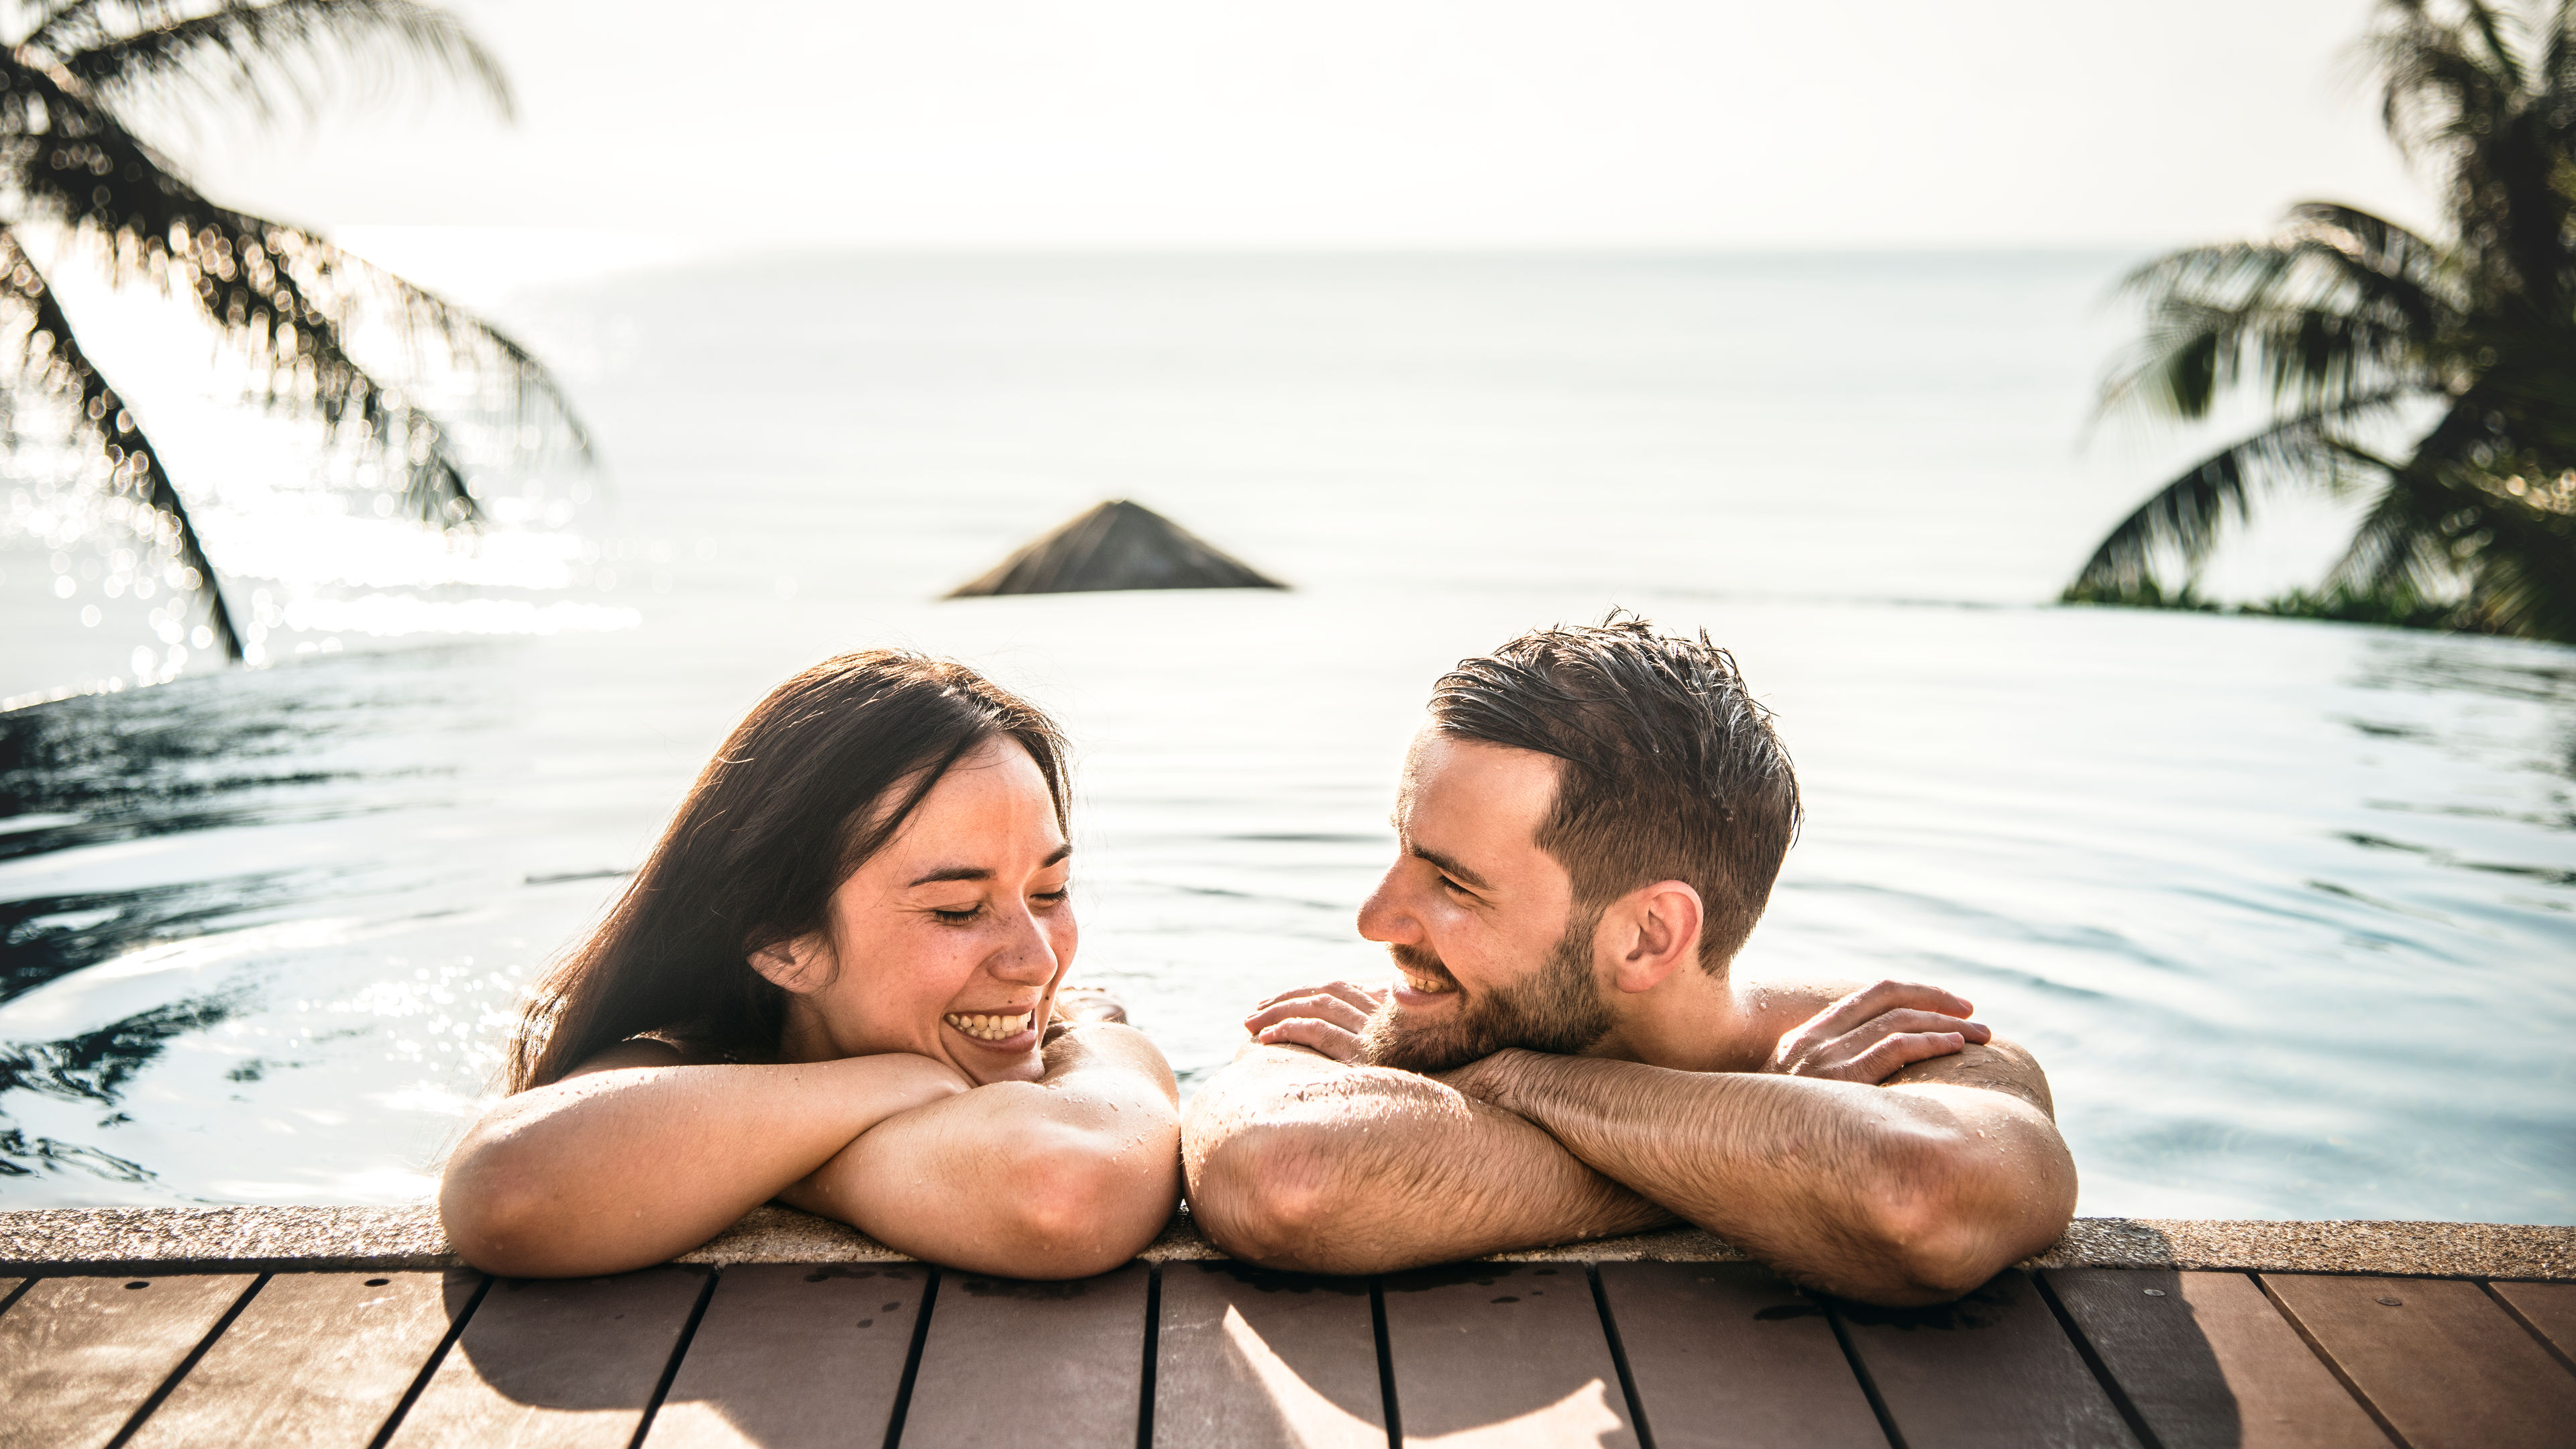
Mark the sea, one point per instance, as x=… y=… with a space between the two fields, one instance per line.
x=2287 y=909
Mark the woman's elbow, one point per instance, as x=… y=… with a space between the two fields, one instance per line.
x=494 y=1215
x=1080 y=1209
x=503 y=1213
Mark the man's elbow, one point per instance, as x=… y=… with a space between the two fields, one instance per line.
x=1955 y=1213
x=1268 y=1194
x=1081 y=1210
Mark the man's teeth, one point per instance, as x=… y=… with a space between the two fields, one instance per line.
x=988 y=1028
x=1427 y=985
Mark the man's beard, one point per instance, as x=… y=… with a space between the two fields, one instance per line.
x=1558 y=1009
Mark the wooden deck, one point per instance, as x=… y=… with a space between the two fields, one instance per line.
x=1672 y=1354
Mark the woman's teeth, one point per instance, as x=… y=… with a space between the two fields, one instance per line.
x=988 y=1028
x=1427 y=985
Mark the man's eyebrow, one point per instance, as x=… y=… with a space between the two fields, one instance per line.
x=984 y=872
x=1450 y=867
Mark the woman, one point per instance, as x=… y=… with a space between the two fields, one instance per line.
x=833 y=983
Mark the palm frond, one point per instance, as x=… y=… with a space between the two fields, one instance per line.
x=2187 y=515
x=428 y=322
x=2319 y=315
x=2437 y=91
x=2342 y=313
x=242 y=272
x=51 y=356
x=256 y=50
x=282 y=296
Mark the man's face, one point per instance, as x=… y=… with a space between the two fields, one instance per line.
x=1477 y=916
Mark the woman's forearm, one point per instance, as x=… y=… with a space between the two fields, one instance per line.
x=1059 y=1178
x=617 y=1169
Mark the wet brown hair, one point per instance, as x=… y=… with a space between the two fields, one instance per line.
x=1672 y=770
x=786 y=810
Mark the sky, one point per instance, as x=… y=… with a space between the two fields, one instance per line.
x=1009 y=124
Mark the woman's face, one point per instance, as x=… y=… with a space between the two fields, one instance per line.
x=948 y=942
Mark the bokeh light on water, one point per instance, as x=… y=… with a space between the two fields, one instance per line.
x=2284 y=907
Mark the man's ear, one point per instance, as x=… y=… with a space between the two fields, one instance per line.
x=797 y=965
x=1651 y=933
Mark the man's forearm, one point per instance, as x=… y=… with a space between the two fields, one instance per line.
x=1298 y=1162
x=1889 y=1194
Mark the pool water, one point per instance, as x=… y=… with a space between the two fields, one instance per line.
x=2284 y=907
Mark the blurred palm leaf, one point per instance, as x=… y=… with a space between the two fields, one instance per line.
x=285 y=296
x=2348 y=325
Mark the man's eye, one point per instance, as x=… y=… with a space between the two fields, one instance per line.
x=1453 y=885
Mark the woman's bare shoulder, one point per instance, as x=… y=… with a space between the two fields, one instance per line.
x=644 y=1051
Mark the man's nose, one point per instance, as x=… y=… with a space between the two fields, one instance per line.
x=1384 y=916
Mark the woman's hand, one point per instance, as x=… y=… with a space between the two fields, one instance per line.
x=911 y=1081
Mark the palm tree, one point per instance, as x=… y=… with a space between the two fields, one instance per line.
x=69 y=162
x=2363 y=335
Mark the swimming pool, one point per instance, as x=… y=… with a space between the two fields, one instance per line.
x=2285 y=908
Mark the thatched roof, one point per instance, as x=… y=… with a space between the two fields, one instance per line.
x=1118 y=545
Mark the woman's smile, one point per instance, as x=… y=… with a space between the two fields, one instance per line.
x=1006 y=1030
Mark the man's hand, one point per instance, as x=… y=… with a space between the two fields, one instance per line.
x=1325 y=1018
x=1876 y=1032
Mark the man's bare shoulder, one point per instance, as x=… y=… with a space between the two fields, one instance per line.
x=2000 y=1065
x=1773 y=1006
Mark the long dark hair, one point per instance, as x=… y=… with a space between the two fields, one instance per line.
x=780 y=817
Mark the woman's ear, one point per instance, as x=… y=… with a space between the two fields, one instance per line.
x=797 y=964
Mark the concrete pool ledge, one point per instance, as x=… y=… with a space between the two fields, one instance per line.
x=161 y=1239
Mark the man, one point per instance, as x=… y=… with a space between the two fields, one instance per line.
x=1588 y=828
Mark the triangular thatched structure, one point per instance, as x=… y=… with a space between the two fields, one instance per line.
x=1118 y=545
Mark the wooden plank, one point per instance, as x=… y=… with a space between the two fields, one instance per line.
x=1728 y=1356
x=1489 y=1355
x=2550 y=1310
x=2207 y=1360
x=1993 y=1368
x=1009 y=1362
x=79 y=1355
x=316 y=1358
x=568 y=1363
x=793 y=1354
x=2440 y=1361
x=1259 y=1360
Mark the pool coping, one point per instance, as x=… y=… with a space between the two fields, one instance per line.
x=270 y=1238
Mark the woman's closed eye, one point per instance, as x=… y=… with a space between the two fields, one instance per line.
x=959 y=916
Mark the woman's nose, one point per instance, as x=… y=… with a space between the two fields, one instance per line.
x=1028 y=956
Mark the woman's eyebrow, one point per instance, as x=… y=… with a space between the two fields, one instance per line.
x=984 y=872
x=954 y=872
